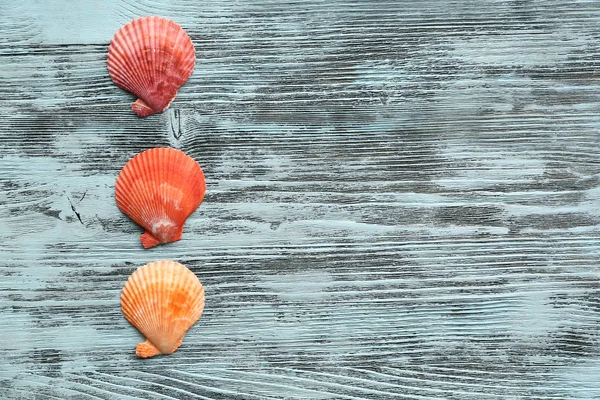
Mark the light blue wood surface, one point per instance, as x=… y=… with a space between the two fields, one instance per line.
x=403 y=201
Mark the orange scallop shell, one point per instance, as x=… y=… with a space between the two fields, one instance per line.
x=159 y=189
x=162 y=299
x=151 y=57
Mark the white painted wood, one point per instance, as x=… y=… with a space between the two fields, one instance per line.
x=402 y=201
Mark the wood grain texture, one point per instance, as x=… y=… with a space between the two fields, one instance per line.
x=402 y=201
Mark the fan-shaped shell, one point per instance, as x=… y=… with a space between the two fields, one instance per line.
x=151 y=57
x=162 y=299
x=159 y=189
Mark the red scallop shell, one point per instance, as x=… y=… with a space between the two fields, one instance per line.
x=151 y=57
x=159 y=189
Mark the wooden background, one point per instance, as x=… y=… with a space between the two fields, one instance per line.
x=403 y=201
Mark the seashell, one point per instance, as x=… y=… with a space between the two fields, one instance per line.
x=159 y=189
x=151 y=57
x=162 y=299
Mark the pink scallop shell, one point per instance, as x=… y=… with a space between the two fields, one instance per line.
x=151 y=57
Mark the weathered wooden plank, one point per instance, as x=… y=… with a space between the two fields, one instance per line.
x=402 y=201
